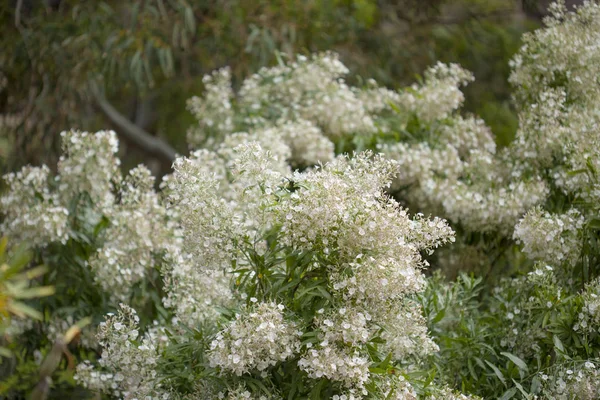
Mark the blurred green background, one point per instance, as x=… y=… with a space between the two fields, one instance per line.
x=62 y=62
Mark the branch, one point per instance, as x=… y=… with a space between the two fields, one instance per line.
x=134 y=133
x=18 y=13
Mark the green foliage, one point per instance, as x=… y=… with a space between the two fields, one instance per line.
x=506 y=326
x=47 y=351
x=497 y=341
x=15 y=288
x=149 y=56
x=485 y=46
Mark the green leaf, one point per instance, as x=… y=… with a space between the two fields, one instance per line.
x=520 y=387
x=497 y=372
x=190 y=21
x=17 y=262
x=472 y=369
x=479 y=362
x=324 y=293
x=3 y=243
x=594 y=223
x=35 y=292
x=509 y=394
x=4 y=352
x=439 y=316
x=315 y=394
x=32 y=273
x=520 y=363
x=535 y=385
x=24 y=310
x=558 y=344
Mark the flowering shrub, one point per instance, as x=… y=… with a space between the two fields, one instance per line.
x=100 y=235
x=290 y=265
x=125 y=217
x=300 y=258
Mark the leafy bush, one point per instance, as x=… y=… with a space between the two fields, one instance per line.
x=280 y=259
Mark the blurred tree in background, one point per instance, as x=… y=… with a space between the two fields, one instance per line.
x=132 y=65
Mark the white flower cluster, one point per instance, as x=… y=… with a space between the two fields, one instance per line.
x=89 y=165
x=195 y=293
x=349 y=327
x=256 y=172
x=589 y=317
x=241 y=392
x=519 y=302
x=218 y=199
x=228 y=199
x=308 y=88
x=439 y=95
x=559 y=137
x=487 y=209
x=342 y=210
x=577 y=381
x=193 y=192
x=33 y=212
x=450 y=166
x=447 y=393
x=554 y=56
x=305 y=101
x=204 y=390
x=397 y=389
x=377 y=99
x=373 y=278
x=214 y=110
x=549 y=237
x=128 y=362
x=256 y=340
x=541 y=137
x=554 y=75
x=139 y=231
x=463 y=178
x=308 y=144
x=196 y=284
x=347 y=366
x=456 y=172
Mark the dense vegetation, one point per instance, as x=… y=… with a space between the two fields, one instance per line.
x=326 y=237
x=88 y=65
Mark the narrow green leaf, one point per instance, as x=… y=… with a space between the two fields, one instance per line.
x=439 y=316
x=519 y=362
x=32 y=273
x=535 y=385
x=521 y=389
x=3 y=243
x=472 y=369
x=497 y=372
x=36 y=292
x=190 y=21
x=23 y=310
x=558 y=344
x=508 y=394
x=4 y=352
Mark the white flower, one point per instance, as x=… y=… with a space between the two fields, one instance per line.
x=255 y=340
